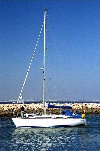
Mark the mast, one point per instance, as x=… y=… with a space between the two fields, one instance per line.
x=44 y=60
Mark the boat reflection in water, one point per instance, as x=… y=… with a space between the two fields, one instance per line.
x=48 y=139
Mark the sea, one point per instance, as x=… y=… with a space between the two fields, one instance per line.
x=85 y=138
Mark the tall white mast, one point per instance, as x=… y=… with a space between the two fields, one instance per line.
x=44 y=59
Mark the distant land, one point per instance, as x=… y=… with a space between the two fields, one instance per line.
x=50 y=101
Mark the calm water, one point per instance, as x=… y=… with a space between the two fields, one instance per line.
x=50 y=139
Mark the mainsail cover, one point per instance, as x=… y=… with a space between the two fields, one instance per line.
x=59 y=107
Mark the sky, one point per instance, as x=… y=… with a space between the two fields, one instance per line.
x=72 y=55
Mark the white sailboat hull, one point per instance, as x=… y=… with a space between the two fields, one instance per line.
x=48 y=122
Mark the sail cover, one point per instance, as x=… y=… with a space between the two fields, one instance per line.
x=59 y=107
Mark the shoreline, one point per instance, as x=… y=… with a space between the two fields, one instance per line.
x=14 y=110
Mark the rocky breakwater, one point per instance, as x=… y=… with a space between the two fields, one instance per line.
x=89 y=108
x=14 y=110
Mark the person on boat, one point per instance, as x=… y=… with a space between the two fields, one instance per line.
x=83 y=114
x=22 y=112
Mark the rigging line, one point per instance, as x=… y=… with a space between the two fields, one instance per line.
x=29 y=67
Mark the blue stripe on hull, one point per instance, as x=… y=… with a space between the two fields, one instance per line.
x=57 y=126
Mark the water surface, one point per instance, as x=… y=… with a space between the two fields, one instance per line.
x=50 y=139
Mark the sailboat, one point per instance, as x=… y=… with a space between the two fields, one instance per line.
x=47 y=120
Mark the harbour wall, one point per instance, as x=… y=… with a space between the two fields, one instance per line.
x=14 y=110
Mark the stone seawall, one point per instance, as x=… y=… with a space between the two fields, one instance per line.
x=13 y=110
